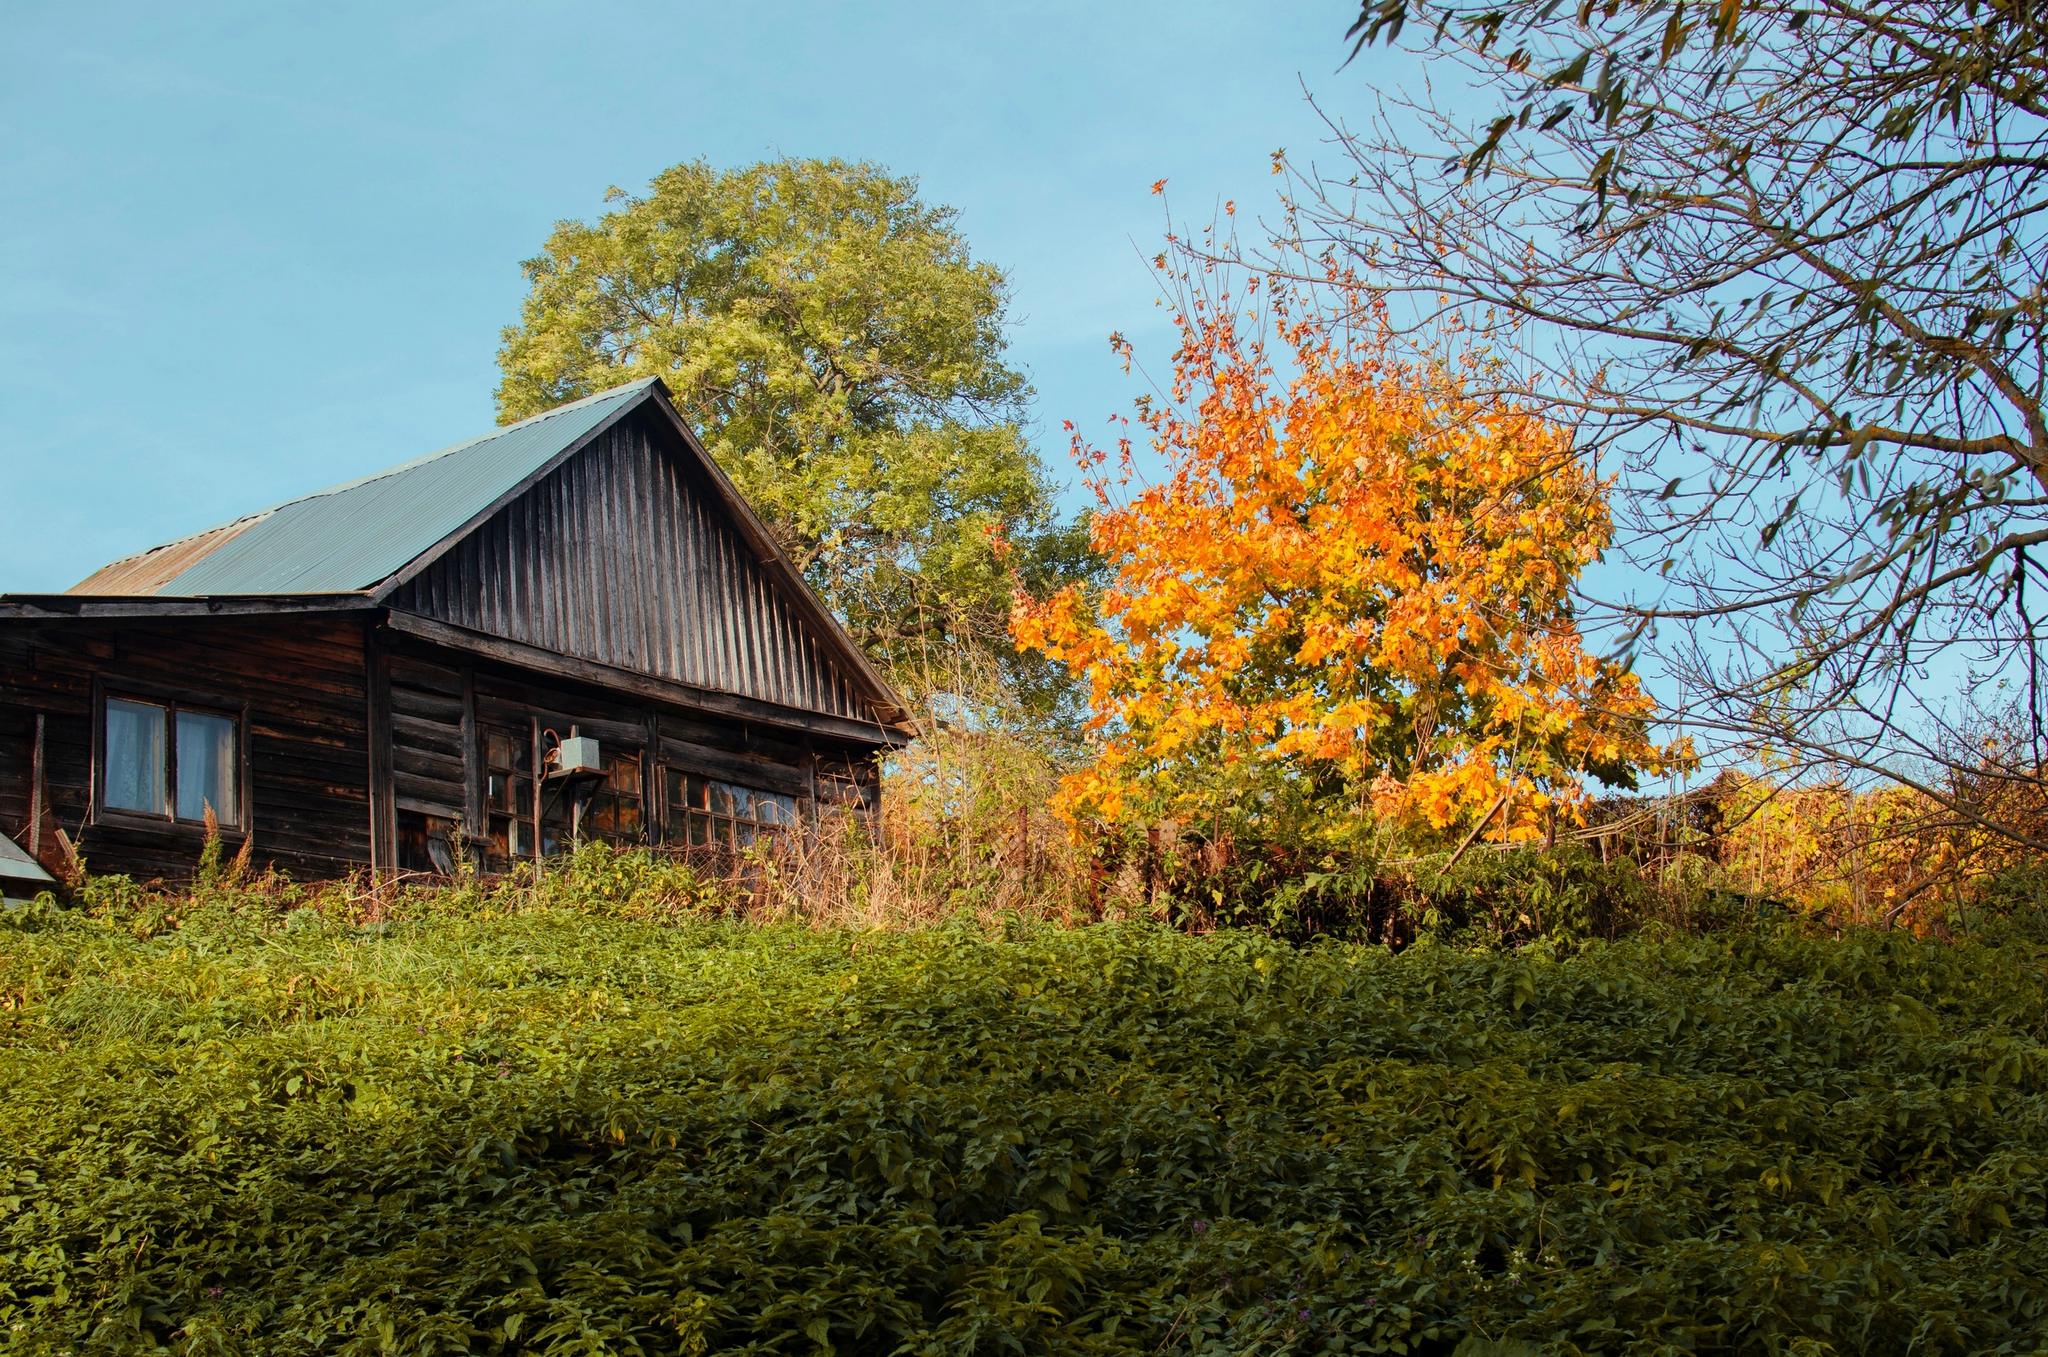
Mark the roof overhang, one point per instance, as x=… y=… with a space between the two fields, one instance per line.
x=590 y=673
x=888 y=704
x=60 y=608
x=142 y=577
x=654 y=396
x=74 y=607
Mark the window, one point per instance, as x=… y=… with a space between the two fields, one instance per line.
x=508 y=797
x=135 y=757
x=206 y=766
x=426 y=843
x=612 y=810
x=704 y=811
x=161 y=758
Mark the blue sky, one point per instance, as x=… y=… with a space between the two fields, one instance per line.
x=257 y=249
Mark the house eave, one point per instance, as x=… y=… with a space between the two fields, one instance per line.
x=85 y=607
x=519 y=655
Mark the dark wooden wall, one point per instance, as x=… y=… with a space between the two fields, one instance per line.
x=302 y=679
x=317 y=700
x=429 y=737
x=440 y=699
x=627 y=557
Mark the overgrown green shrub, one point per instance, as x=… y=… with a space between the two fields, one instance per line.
x=2019 y=892
x=472 y=1129
x=1358 y=893
x=1565 y=893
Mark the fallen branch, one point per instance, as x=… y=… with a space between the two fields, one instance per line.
x=1459 y=852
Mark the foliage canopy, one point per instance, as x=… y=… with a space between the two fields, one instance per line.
x=841 y=352
x=1355 y=574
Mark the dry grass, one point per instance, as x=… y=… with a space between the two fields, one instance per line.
x=963 y=832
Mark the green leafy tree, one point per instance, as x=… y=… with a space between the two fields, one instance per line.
x=842 y=354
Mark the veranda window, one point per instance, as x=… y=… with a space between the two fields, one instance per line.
x=611 y=810
x=508 y=797
x=162 y=758
x=704 y=811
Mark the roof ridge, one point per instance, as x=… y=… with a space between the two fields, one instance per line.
x=464 y=445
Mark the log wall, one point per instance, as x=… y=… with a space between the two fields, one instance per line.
x=300 y=682
x=339 y=716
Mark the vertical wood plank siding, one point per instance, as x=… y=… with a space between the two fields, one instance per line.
x=625 y=556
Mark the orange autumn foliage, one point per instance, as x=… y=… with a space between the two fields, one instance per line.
x=1358 y=577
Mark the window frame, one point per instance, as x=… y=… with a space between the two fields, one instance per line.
x=801 y=809
x=611 y=761
x=519 y=819
x=172 y=700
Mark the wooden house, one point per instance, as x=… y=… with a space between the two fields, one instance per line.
x=572 y=626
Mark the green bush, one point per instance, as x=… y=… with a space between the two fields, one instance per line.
x=1567 y=894
x=2020 y=892
x=486 y=1129
x=1485 y=897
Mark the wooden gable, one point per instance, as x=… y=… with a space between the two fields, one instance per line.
x=629 y=555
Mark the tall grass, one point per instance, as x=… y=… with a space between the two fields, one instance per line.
x=963 y=832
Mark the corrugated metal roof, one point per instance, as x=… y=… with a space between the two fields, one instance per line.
x=135 y=576
x=353 y=537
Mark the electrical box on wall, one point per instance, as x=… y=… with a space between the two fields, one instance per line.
x=578 y=755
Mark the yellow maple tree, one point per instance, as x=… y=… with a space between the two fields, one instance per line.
x=1356 y=573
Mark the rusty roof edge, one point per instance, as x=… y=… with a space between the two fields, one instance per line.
x=227 y=532
x=266 y=512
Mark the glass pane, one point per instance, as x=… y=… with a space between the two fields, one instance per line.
x=699 y=830
x=624 y=773
x=629 y=820
x=498 y=749
x=206 y=767
x=135 y=756
x=721 y=798
x=676 y=827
